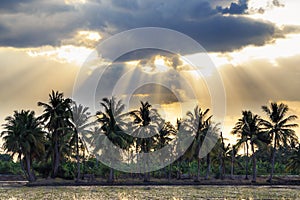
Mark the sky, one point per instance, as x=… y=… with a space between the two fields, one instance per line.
x=254 y=45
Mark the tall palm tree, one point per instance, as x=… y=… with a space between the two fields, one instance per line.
x=210 y=133
x=243 y=139
x=110 y=125
x=233 y=153
x=223 y=152
x=165 y=136
x=255 y=133
x=145 y=125
x=57 y=116
x=198 y=122
x=80 y=116
x=279 y=127
x=24 y=135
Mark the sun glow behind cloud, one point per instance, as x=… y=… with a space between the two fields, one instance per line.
x=63 y=54
x=281 y=48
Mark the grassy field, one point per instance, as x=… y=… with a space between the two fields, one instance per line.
x=151 y=192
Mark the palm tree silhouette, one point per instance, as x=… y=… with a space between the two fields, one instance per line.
x=198 y=123
x=80 y=118
x=110 y=120
x=24 y=135
x=239 y=130
x=252 y=128
x=58 y=118
x=279 y=128
x=146 y=123
x=294 y=160
x=165 y=136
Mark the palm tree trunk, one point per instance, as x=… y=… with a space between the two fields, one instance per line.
x=208 y=166
x=232 y=164
x=77 y=158
x=273 y=160
x=198 y=170
x=111 y=175
x=247 y=156
x=56 y=158
x=189 y=169
x=253 y=163
x=28 y=168
x=221 y=166
x=178 y=169
x=22 y=167
x=170 y=172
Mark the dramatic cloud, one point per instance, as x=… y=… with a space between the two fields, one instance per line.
x=235 y=8
x=31 y=24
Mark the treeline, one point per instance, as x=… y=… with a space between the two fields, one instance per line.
x=55 y=144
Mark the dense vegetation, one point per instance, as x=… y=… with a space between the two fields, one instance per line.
x=52 y=145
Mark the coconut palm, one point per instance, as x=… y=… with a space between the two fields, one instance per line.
x=243 y=139
x=23 y=135
x=165 y=136
x=211 y=135
x=232 y=153
x=146 y=123
x=81 y=123
x=110 y=120
x=253 y=129
x=279 y=127
x=223 y=154
x=250 y=128
x=198 y=123
x=57 y=117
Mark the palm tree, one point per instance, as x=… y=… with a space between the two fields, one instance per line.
x=146 y=124
x=279 y=127
x=210 y=133
x=294 y=160
x=223 y=154
x=81 y=123
x=179 y=160
x=233 y=153
x=110 y=122
x=24 y=135
x=57 y=116
x=198 y=122
x=250 y=126
x=243 y=137
x=164 y=137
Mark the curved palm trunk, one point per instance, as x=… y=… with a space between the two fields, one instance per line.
x=30 y=174
x=254 y=172
x=273 y=160
x=247 y=157
x=208 y=166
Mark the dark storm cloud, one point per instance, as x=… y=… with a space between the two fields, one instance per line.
x=235 y=8
x=50 y=22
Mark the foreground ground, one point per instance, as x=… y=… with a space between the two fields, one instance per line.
x=151 y=192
